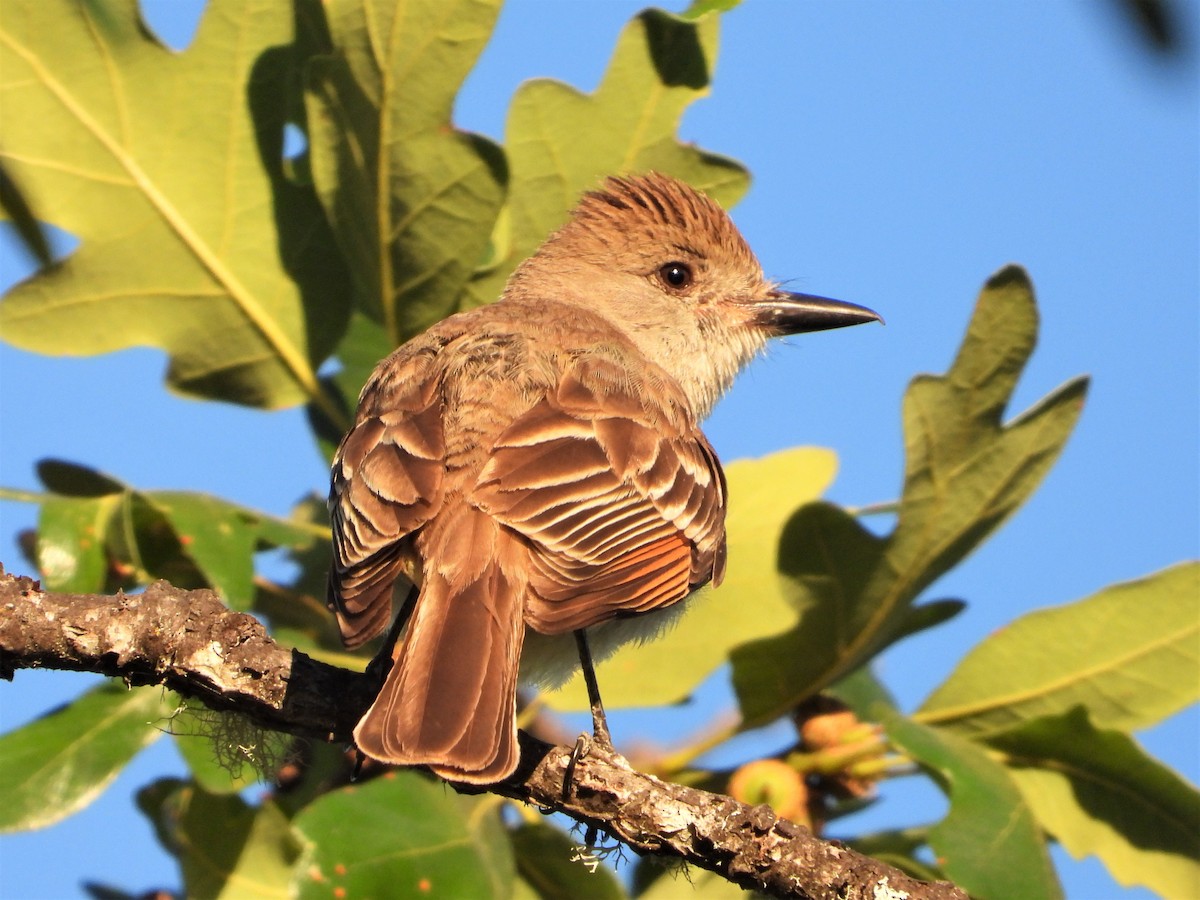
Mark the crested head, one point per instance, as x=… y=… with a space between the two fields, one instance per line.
x=665 y=264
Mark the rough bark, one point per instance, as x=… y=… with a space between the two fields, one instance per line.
x=193 y=644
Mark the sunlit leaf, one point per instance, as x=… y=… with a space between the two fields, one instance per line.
x=189 y=539
x=71 y=552
x=412 y=200
x=989 y=844
x=561 y=142
x=966 y=471
x=30 y=232
x=58 y=764
x=1129 y=654
x=1099 y=793
x=168 y=168
x=402 y=835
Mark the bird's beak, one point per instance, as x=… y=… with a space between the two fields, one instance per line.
x=786 y=313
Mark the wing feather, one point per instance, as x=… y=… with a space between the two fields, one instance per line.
x=387 y=483
x=620 y=498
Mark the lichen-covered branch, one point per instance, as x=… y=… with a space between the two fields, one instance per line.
x=193 y=644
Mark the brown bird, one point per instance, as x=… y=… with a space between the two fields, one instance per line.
x=537 y=468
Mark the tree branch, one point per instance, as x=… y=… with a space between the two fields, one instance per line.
x=193 y=644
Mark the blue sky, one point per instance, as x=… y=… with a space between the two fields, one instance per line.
x=901 y=153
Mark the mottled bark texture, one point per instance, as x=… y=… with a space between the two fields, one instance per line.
x=193 y=644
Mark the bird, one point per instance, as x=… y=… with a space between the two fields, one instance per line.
x=531 y=475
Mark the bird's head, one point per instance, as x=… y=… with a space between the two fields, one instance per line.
x=667 y=265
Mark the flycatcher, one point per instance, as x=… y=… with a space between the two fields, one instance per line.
x=536 y=467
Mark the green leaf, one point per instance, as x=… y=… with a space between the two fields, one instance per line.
x=864 y=693
x=548 y=861
x=750 y=603
x=218 y=538
x=225 y=847
x=190 y=539
x=1099 y=793
x=924 y=616
x=560 y=142
x=168 y=167
x=297 y=612
x=58 y=764
x=965 y=473
x=400 y=835
x=989 y=843
x=1128 y=654
x=71 y=554
x=74 y=480
x=412 y=200
x=672 y=885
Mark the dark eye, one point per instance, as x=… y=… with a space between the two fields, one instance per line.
x=676 y=274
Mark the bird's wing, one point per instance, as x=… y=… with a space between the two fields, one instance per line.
x=621 y=498
x=387 y=482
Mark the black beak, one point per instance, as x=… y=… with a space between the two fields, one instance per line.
x=785 y=313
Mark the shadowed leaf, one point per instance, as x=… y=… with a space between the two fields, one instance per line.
x=1099 y=793
x=989 y=843
x=966 y=471
x=548 y=863
x=411 y=199
x=107 y=535
x=226 y=848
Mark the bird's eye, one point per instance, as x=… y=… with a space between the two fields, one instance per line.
x=676 y=275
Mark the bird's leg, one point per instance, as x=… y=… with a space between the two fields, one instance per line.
x=600 y=733
x=599 y=723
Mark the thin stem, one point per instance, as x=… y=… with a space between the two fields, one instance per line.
x=18 y=496
x=675 y=762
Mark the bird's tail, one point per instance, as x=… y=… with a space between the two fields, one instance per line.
x=449 y=700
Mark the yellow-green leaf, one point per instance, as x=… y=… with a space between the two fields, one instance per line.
x=561 y=142
x=1129 y=654
x=412 y=200
x=966 y=471
x=168 y=167
x=1099 y=793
